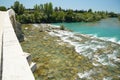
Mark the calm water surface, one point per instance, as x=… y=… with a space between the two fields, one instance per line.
x=109 y=28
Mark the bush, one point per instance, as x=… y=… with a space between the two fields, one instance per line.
x=3 y=8
x=62 y=27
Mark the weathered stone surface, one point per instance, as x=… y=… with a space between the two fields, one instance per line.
x=15 y=65
x=19 y=32
x=54 y=61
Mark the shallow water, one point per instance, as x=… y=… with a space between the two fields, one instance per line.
x=96 y=59
x=55 y=59
x=98 y=45
x=104 y=55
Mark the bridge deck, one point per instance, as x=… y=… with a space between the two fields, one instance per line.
x=15 y=65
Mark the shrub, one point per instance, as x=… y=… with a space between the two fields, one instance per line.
x=62 y=27
x=3 y=8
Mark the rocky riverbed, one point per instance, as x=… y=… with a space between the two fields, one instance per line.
x=64 y=55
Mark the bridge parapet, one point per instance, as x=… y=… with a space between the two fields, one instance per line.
x=11 y=12
x=1 y=45
x=15 y=65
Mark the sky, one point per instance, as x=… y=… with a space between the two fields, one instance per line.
x=95 y=5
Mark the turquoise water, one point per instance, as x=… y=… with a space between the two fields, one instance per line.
x=109 y=28
x=103 y=54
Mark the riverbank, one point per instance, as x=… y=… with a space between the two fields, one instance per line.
x=64 y=55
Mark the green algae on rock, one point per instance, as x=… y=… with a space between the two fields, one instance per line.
x=54 y=61
x=57 y=56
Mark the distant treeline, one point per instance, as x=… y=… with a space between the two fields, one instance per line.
x=45 y=13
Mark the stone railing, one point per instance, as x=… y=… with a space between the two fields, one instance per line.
x=1 y=46
x=15 y=63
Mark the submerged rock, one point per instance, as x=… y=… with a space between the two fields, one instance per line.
x=62 y=55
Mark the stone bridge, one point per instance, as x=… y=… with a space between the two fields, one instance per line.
x=14 y=63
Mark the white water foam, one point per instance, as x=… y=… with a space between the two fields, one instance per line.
x=104 y=60
x=112 y=39
x=87 y=48
x=86 y=74
x=113 y=56
x=36 y=25
x=56 y=26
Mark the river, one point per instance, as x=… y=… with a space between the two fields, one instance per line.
x=101 y=45
x=66 y=55
x=105 y=29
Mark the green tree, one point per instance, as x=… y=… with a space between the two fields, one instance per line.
x=41 y=8
x=78 y=17
x=46 y=8
x=50 y=8
x=3 y=8
x=18 y=8
x=90 y=10
x=21 y=9
x=60 y=9
x=37 y=7
x=69 y=16
x=56 y=9
x=61 y=16
x=37 y=17
x=45 y=13
x=112 y=14
x=58 y=16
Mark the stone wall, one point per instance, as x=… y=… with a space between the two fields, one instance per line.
x=14 y=63
x=16 y=26
x=19 y=32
